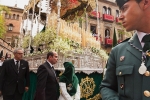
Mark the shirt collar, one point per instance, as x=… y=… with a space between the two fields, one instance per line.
x=141 y=35
x=49 y=63
x=15 y=60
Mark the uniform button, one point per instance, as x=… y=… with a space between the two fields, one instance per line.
x=147 y=73
x=120 y=73
x=147 y=93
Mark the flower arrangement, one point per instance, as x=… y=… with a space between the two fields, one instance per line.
x=45 y=37
x=59 y=44
x=26 y=41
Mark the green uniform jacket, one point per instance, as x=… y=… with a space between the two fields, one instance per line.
x=122 y=80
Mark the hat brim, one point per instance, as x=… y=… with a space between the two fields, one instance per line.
x=120 y=3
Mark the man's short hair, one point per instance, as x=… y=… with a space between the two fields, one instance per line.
x=51 y=53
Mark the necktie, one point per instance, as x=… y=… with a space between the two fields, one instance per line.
x=53 y=70
x=17 y=65
x=146 y=40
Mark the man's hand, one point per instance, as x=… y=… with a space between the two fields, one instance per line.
x=0 y=93
x=26 y=89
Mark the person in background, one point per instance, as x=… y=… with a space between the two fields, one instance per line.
x=14 y=77
x=128 y=68
x=47 y=84
x=69 y=84
x=1 y=60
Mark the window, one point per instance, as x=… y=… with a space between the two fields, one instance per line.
x=109 y=11
x=104 y=10
x=93 y=29
x=14 y=16
x=117 y=13
x=10 y=27
x=107 y=33
x=17 y=17
x=10 y=16
x=6 y=15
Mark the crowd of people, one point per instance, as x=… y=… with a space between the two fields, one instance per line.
x=15 y=79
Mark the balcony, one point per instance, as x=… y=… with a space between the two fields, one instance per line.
x=108 y=41
x=119 y=41
x=107 y=17
x=117 y=20
x=94 y=14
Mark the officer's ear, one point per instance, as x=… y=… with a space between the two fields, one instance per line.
x=146 y=4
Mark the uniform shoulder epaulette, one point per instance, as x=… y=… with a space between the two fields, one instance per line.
x=125 y=40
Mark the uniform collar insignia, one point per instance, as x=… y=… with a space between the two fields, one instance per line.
x=148 y=53
x=122 y=58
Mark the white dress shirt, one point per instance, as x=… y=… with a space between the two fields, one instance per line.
x=1 y=63
x=50 y=63
x=140 y=36
x=16 y=62
x=51 y=66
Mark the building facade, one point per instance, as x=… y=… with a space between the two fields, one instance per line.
x=108 y=13
x=13 y=23
x=5 y=49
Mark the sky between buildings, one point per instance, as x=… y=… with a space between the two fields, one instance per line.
x=20 y=3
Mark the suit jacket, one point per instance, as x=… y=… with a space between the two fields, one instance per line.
x=10 y=79
x=122 y=80
x=47 y=85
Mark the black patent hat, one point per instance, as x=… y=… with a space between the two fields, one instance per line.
x=120 y=3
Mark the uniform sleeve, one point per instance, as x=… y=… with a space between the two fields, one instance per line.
x=77 y=95
x=64 y=91
x=108 y=87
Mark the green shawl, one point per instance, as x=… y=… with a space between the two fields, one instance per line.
x=69 y=78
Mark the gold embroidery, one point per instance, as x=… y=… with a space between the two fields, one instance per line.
x=87 y=87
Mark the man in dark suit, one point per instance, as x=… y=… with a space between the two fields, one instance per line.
x=47 y=84
x=1 y=62
x=14 y=77
x=128 y=68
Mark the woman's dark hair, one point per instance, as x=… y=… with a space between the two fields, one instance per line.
x=50 y=54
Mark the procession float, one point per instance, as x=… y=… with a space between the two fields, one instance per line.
x=60 y=25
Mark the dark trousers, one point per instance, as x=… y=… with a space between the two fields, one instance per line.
x=15 y=96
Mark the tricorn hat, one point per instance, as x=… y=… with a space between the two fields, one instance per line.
x=120 y=3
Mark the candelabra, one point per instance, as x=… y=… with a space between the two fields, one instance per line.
x=58 y=16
